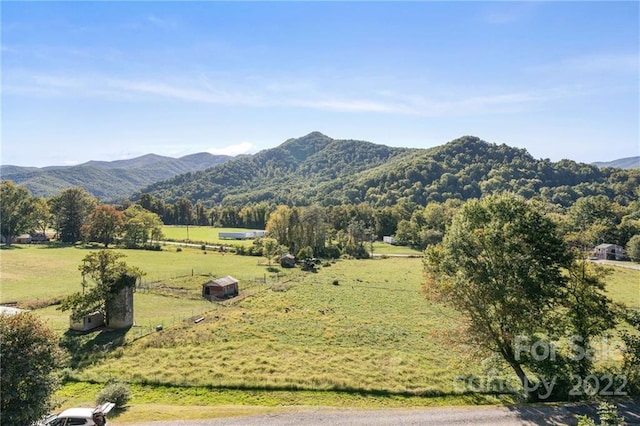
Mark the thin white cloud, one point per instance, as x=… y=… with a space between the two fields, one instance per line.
x=607 y=62
x=613 y=63
x=161 y=22
x=233 y=150
x=346 y=105
x=507 y=13
x=191 y=94
x=263 y=94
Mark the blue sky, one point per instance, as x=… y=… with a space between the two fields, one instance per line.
x=107 y=81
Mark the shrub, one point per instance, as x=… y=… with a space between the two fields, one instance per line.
x=179 y=249
x=116 y=392
x=608 y=414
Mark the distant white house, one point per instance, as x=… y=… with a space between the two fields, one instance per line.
x=242 y=235
x=609 y=252
x=388 y=240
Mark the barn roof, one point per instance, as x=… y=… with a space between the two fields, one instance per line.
x=606 y=246
x=221 y=282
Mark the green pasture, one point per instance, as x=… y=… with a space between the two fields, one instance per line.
x=209 y=235
x=35 y=274
x=373 y=331
x=356 y=333
x=203 y=235
x=380 y=248
x=623 y=286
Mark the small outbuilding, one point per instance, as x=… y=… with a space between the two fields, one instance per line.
x=220 y=288
x=89 y=322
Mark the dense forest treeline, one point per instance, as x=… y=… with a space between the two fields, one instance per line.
x=339 y=195
x=316 y=169
x=316 y=230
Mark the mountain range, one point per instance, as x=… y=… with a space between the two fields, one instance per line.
x=318 y=169
x=621 y=163
x=108 y=180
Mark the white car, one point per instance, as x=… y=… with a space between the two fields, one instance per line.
x=80 y=416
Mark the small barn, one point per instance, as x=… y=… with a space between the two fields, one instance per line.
x=288 y=261
x=609 y=252
x=220 y=288
x=89 y=322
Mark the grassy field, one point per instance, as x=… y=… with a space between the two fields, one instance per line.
x=373 y=332
x=209 y=235
x=623 y=286
x=356 y=333
x=202 y=235
x=39 y=273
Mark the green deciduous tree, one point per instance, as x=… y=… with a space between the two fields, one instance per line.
x=105 y=224
x=270 y=248
x=71 y=211
x=41 y=215
x=16 y=210
x=30 y=355
x=500 y=264
x=631 y=353
x=141 y=226
x=587 y=312
x=633 y=248
x=278 y=224
x=109 y=275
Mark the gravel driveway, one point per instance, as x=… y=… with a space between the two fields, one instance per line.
x=491 y=416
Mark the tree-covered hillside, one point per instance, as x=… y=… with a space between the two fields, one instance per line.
x=287 y=174
x=108 y=180
x=318 y=169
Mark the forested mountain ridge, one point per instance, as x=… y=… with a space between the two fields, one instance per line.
x=277 y=174
x=108 y=180
x=318 y=169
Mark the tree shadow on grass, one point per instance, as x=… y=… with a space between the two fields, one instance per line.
x=61 y=245
x=10 y=247
x=86 y=348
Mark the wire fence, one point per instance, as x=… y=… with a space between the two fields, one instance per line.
x=188 y=286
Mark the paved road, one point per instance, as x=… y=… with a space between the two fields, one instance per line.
x=493 y=416
x=628 y=265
